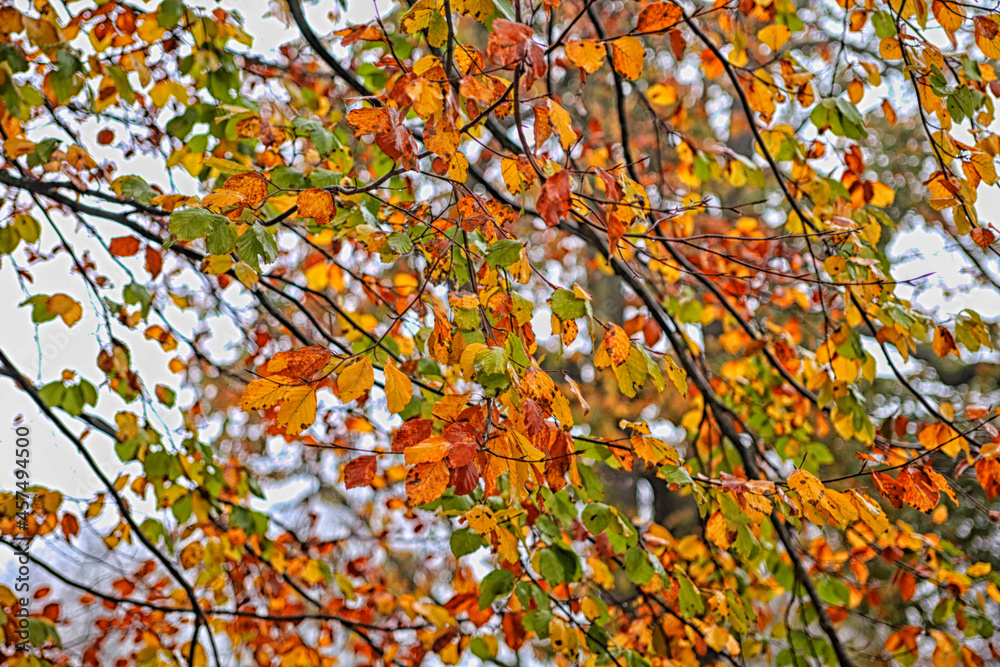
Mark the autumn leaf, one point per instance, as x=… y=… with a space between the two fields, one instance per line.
x=658 y=17
x=426 y=482
x=774 y=36
x=360 y=471
x=398 y=388
x=124 y=246
x=431 y=450
x=65 y=307
x=587 y=54
x=355 y=380
x=251 y=185
x=316 y=204
x=628 y=55
x=553 y=202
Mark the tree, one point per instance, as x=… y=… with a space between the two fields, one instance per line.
x=465 y=273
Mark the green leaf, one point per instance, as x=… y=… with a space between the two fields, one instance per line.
x=596 y=517
x=400 y=242
x=255 y=243
x=638 y=567
x=222 y=238
x=503 y=253
x=169 y=13
x=559 y=564
x=53 y=393
x=495 y=584
x=27 y=227
x=194 y=223
x=464 y=541
x=689 y=597
x=182 y=508
x=135 y=294
x=566 y=305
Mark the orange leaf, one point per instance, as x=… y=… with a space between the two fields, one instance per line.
x=587 y=54
x=302 y=363
x=316 y=204
x=430 y=450
x=889 y=488
x=618 y=345
x=251 y=185
x=659 y=16
x=426 y=482
x=124 y=246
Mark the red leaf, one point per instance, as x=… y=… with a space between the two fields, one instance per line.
x=553 y=202
x=359 y=471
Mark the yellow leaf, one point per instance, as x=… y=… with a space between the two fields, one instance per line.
x=398 y=388
x=882 y=195
x=512 y=176
x=266 y=392
x=227 y=166
x=587 y=54
x=808 y=487
x=215 y=265
x=65 y=307
x=355 y=380
x=987 y=35
x=559 y=118
x=979 y=570
x=427 y=97
x=774 y=36
x=662 y=95
x=481 y=519
x=298 y=409
x=717 y=531
x=436 y=614
x=949 y=15
x=628 y=55
x=223 y=198
x=15 y=147
x=890 y=49
x=458 y=168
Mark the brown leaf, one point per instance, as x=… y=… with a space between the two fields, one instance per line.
x=889 y=488
x=124 y=246
x=410 y=433
x=360 y=471
x=154 y=262
x=983 y=237
x=251 y=185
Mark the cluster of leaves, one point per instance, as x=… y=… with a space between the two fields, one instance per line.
x=483 y=262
